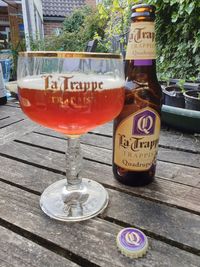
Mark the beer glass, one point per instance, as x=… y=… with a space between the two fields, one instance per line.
x=72 y=93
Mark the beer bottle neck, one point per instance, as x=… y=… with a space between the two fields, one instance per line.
x=147 y=67
x=144 y=64
x=141 y=43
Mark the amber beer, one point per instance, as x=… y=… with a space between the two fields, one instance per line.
x=137 y=127
x=71 y=104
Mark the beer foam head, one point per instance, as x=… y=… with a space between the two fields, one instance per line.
x=71 y=82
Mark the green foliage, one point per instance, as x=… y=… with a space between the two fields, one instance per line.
x=82 y=26
x=21 y=46
x=73 y=23
x=177 y=31
x=118 y=13
x=178 y=37
x=181 y=83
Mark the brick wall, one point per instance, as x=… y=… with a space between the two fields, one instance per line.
x=50 y=26
x=91 y=3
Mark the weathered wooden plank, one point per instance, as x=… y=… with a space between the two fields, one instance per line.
x=179 y=157
x=3 y=117
x=178 y=173
x=14 y=104
x=90 y=138
x=92 y=152
x=169 y=170
x=9 y=121
x=164 y=154
x=191 y=143
x=93 y=240
x=20 y=252
x=11 y=111
x=168 y=138
x=157 y=214
x=179 y=140
x=177 y=225
x=161 y=190
x=172 y=139
x=106 y=129
x=14 y=131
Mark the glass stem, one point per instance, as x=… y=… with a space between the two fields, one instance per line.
x=73 y=162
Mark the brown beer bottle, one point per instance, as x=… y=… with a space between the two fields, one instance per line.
x=137 y=127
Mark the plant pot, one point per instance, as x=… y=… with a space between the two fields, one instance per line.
x=188 y=85
x=174 y=96
x=181 y=119
x=192 y=100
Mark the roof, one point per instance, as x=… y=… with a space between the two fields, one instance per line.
x=60 y=8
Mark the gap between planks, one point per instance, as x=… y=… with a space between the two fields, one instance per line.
x=82 y=261
x=47 y=244
x=11 y=123
x=104 y=163
x=181 y=207
x=110 y=136
x=156 y=236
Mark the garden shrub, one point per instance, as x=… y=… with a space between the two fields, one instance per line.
x=78 y=29
x=177 y=32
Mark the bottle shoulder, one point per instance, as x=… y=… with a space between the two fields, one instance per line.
x=139 y=97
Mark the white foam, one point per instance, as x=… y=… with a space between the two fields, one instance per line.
x=103 y=82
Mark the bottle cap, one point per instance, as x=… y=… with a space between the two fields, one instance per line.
x=132 y=242
x=143 y=10
x=143 y=7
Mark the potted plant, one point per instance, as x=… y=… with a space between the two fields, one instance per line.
x=173 y=94
x=192 y=100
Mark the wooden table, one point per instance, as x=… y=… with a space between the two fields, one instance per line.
x=32 y=157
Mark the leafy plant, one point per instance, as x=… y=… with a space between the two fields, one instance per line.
x=177 y=31
x=73 y=23
x=178 y=37
x=78 y=29
x=181 y=83
x=118 y=13
x=15 y=52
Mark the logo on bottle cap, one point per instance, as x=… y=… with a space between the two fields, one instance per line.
x=132 y=242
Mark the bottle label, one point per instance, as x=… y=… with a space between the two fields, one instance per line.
x=2 y=86
x=136 y=140
x=141 y=41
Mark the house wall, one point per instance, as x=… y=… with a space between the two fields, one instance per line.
x=4 y=18
x=91 y=3
x=51 y=26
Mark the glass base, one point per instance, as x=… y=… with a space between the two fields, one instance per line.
x=74 y=202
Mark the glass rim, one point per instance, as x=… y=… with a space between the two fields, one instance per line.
x=69 y=54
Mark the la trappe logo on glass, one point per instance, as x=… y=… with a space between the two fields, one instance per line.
x=144 y=123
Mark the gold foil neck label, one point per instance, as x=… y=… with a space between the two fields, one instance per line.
x=136 y=140
x=141 y=41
